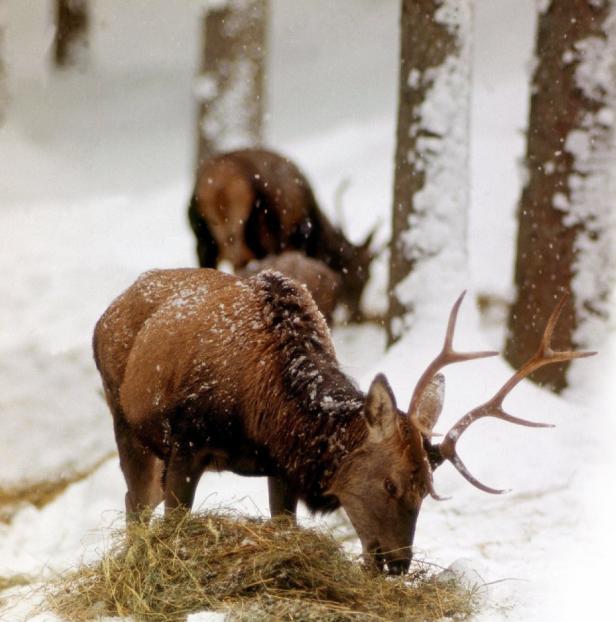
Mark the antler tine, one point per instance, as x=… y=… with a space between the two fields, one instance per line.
x=433 y=492
x=448 y=353
x=446 y=356
x=545 y=355
x=430 y=482
x=457 y=462
x=546 y=338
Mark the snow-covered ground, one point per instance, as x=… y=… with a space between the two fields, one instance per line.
x=94 y=181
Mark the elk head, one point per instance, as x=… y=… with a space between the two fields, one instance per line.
x=355 y=261
x=382 y=484
x=227 y=199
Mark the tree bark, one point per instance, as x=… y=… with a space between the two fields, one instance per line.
x=230 y=87
x=71 y=40
x=431 y=183
x=565 y=240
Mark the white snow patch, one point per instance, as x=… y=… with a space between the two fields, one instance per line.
x=206 y=616
x=205 y=87
x=592 y=188
x=414 y=78
x=560 y=201
x=462 y=571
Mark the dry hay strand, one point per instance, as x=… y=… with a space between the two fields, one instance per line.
x=16 y=580
x=41 y=492
x=252 y=569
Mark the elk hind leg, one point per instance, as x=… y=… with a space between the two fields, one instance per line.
x=142 y=470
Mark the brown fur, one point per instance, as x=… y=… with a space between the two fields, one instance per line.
x=203 y=370
x=252 y=203
x=322 y=283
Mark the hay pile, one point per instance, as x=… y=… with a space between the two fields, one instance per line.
x=39 y=493
x=252 y=569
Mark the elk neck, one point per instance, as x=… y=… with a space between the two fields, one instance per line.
x=317 y=418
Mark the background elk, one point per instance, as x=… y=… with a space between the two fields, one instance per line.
x=323 y=283
x=252 y=203
x=207 y=371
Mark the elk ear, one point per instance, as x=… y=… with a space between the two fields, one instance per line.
x=431 y=402
x=380 y=410
x=368 y=241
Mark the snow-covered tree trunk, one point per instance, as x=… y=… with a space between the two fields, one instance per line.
x=565 y=214
x=431 y=183
x=230 y=86
x=71 y=40
x=4 y=89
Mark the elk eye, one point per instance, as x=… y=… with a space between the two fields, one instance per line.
x=390 y=487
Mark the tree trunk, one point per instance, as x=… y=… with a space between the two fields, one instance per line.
x=564 y=237
x=71 y=40
x=230 y=87
x=431 y=185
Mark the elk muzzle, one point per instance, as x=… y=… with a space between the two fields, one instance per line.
x=397 y=561
x=399 y=566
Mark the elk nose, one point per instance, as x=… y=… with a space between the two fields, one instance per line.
x=398 y=566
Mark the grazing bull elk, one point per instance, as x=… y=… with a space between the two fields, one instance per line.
x=207 y=371
x=252 y=203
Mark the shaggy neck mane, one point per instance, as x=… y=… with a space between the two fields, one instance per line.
x=319 y=419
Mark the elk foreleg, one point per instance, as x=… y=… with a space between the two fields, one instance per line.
x=282 y=497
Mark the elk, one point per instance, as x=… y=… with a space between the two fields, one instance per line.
x=206 y=371
x=252 y=203
x=323 y=283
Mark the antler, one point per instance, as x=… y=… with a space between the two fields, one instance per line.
x=545 y=355
x=446 y=357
